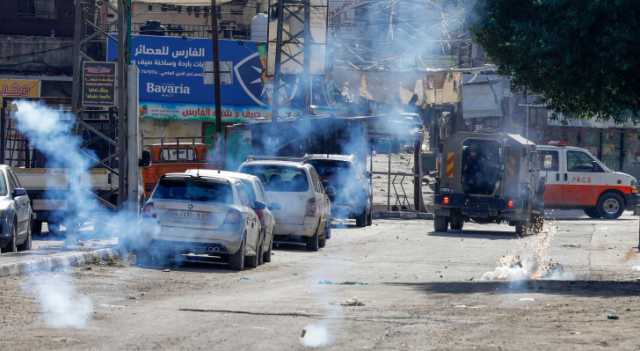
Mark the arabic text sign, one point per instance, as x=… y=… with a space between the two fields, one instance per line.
x=21 y=88
x=200 y=112
x=99 y=84
x=178 y=70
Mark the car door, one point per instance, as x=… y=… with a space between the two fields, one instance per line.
x=583 y=176
x=324 y=205
x=23 y=208
x=253 y=225
x=550 y=170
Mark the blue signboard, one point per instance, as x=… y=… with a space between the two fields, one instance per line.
x=172 y=70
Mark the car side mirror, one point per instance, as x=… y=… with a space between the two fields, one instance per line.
x=259 y=206
x=274 y=206
x=19 y=192
x=145 y=161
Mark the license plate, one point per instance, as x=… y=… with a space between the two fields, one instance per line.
x=191 y=215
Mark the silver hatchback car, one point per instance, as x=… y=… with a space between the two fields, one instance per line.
x=202 y=213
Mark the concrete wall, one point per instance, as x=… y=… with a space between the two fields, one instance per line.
x=28 y=54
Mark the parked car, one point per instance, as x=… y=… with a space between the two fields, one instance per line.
x=15 y=211
x=202 y=213
x=347 y=184
x=300 y=204
x=574 y=178
x=255 y=189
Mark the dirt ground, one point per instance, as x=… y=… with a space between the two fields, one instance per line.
x=393 y=286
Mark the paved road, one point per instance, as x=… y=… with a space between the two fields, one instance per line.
x=392 y=286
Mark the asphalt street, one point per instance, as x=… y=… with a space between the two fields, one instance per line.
x=393 y=286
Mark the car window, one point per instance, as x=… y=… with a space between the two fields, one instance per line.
x=3 y=186
x=578 y=161
x=316 y=180
x=262 y=197
x=175 y=154
x=247 y=187
x=12 y=184
x=548 y=160
x=279 y=178
x=243 y=195
x=193 y=190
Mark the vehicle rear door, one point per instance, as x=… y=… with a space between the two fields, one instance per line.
x=550 y=169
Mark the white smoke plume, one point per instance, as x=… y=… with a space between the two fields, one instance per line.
x=51 y=132
x=62 y=306
x=531 y=262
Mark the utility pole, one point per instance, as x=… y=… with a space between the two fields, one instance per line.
x=215 y=44
x=122 y=73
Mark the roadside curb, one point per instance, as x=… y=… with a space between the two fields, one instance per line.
x=402 y=215
x=57 y=261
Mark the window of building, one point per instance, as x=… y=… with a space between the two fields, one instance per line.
x=37 y=8
x=150 y=7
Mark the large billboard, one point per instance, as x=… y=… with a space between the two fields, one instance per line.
x=175 y=80
x=19 y=88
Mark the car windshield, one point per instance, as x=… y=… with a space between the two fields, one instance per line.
x=335 y=172
x=3 y=186
x=194 y=190
x=280 y=178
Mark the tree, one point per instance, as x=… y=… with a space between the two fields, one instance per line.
x=582 y=55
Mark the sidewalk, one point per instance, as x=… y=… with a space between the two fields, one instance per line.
x=49 y=255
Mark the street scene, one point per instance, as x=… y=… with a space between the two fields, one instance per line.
x=319 y=174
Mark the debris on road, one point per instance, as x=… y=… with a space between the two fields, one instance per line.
x=329 y=282
x=612 y=315
x=352 y=302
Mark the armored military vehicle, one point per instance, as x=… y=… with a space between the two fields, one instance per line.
x=489 y=178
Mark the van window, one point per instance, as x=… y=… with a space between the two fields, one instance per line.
x=578 y=161
x=248 y=190
x=548 y=160
x=245 y=197
x=278 y=178
x=193 y=190
x=3 y=186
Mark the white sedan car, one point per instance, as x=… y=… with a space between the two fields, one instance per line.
x=258 y=197
x=202 y=213
x=300 y=205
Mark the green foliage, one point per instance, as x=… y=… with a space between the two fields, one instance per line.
x=582 y=55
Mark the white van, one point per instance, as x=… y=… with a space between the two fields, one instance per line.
x=300 y=204
x=575 y=179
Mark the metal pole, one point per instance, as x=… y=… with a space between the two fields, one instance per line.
x=76 y=88
x=389 y=178
x=215 y=43
x=306 y=76
x=276 y=79
x=123 y=55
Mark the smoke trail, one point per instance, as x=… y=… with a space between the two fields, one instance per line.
x=51 y=132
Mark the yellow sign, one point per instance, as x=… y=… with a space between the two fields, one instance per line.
x=20 y=88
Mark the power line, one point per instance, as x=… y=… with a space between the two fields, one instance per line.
x=36 y=52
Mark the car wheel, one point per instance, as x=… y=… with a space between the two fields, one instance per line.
x=370 y=217
x=313 y=243
x=267 y=254
x=322 y=242
x=457 y=223
x=26 y=245
x=610 y=206
x=522 y=229
x=36 y=227
x=236 y=261
x=361 y=219
x=11 y=246
x=440 y=223
x=592 y=212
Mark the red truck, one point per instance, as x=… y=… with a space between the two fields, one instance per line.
x=175 y=156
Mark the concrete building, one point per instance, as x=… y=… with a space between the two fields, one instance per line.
x=35 y=46
x=191 y=17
